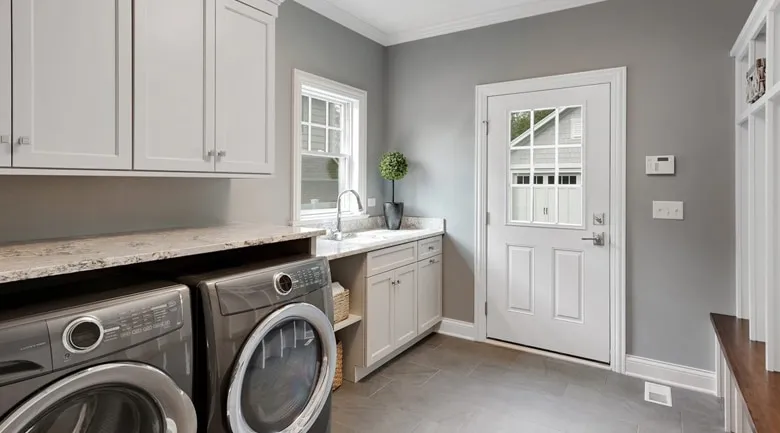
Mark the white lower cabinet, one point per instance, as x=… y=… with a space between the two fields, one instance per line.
x=405 y=305
x=429 y=293
x=379 y=312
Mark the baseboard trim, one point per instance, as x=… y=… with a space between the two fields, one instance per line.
x=458 y=329
x=671 y=374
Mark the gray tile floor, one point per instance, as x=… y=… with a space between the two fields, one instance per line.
x=449 y=385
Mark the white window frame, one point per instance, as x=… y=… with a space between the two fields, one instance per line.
x=356 y=137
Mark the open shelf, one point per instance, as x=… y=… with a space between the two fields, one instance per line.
x=349 y=321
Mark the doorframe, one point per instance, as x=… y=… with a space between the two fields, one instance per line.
x=616 y=78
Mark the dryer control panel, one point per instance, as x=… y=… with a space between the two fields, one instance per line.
x=79 y=337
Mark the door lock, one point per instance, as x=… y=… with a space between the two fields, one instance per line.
x=599 y=219
x=598 y=239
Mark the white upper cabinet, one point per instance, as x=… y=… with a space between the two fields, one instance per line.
x=244 y=89
x=174 y=85
x=5 y=83
x=72 y=84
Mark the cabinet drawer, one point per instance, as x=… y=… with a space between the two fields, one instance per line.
x=391 y=258
x=429 y=247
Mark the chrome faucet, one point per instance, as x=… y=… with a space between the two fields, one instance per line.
x=338 y=234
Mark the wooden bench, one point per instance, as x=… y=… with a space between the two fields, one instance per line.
x=752 y=394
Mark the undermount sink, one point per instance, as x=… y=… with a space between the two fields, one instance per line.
x=367 y=236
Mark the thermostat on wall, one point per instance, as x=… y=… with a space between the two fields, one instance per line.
x=659 y=165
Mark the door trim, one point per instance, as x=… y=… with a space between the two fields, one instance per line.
x=616 y=78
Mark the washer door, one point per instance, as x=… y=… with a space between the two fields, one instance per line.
x=121 y=398
x=284 y=373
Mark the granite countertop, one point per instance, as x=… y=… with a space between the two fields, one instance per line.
x=48 y=258
x=371 y=241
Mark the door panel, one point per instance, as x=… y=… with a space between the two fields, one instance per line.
x=405 y=305
x=5 y=83
x=548 y=172
x=245 y=93
x=72 y=84
x=379 y=312
x=429 y=291
x=174 y=85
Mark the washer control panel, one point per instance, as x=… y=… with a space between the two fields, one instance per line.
x=97 y=333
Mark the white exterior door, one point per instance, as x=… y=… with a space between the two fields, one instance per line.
x=174 y=85
x=72 y=84
x=379 y=316
x=548 y=181
x=5 y=83
x=245 y=92
x=429 y=288
x=405 y=305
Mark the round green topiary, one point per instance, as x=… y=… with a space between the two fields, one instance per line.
x=393 y=166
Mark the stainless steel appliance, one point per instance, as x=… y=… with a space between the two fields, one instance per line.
x=115 y=361
x=270 y=347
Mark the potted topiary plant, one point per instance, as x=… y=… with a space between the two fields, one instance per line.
x=393 y=167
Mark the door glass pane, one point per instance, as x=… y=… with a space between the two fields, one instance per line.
x=281 y=376
x=570 y=199
x=318 y=139
x=521 y=203
x=103 y=409
x=319 y=182
x=334 y=114
x=545 y=122
x=521 y=124
x=318 y=111
x=571 y=125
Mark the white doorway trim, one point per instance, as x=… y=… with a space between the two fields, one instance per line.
x=616 y=78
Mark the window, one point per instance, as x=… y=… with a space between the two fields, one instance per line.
x=330 y=147
x=522 y=179
x=576 y=127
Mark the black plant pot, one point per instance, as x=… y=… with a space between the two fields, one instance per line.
x=394 y=213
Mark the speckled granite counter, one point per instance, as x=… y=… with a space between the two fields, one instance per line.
x=57 y=257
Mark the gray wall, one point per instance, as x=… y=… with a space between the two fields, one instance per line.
x=680 y=101
x=46 y=207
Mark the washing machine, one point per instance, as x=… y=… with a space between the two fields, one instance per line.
x=109 y=359
x=270 y=348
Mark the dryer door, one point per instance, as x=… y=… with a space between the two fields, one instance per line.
x=120 y=398
x=284 y=372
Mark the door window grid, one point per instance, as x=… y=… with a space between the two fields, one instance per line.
x=568 y=186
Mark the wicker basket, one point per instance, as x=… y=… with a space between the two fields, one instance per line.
x=339 y=378
x=341 y=306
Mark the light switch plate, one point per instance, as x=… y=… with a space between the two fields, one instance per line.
x=371 y=202
x=668 y=210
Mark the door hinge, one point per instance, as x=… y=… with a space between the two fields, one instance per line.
x=487 y=218
x=485 y=308
x=487 y=127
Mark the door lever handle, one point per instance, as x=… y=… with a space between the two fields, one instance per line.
x=598 y=239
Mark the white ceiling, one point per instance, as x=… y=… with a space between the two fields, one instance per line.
x=392 y=22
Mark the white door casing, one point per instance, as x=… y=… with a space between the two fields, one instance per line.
x=547 y=287
x=405 y=305
x=244 y=87
x=72 y=84
x=5 y=83
x=616 y=79
x=174 y=85
x=379 y=314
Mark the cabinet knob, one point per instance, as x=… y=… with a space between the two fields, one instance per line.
x=24 y=141
x=398 y=282
x=210 y=153
x=392 y=282
x=222 y=153
x=431 y=248
x=431 y=261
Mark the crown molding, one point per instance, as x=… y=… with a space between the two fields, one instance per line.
x=495 y=17
x=346 y=19
x=539 y=7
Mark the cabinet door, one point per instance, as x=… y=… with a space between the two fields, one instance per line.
x=429 y=288
x=405 y=305
x=5 y=83
x=174 y=85
x=245 y=89
x=72 y=85
x=379 y=316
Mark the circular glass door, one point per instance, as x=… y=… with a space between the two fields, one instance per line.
x=118 y=398
x=284 y=373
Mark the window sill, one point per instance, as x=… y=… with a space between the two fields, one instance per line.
x=319 y=219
